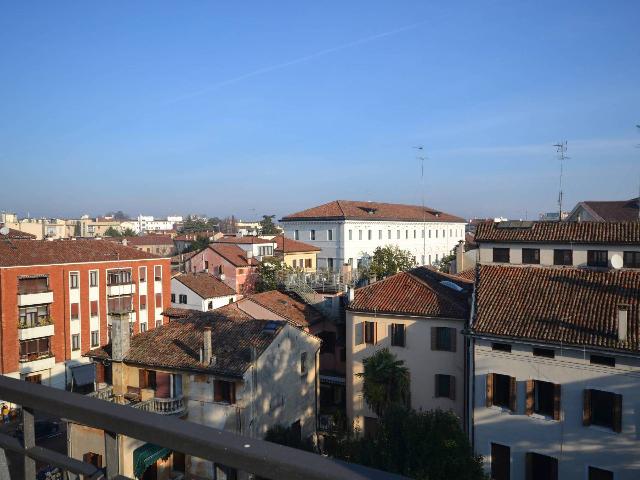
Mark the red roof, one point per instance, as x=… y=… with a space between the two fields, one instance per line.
x=567 y=305
x=294 y=246
x=245 y=240
x=233 y=254
x=205 y=285
x=612 y=211
x=419 y=291
x=46 y=252
x=153 y=239
x=288 y=307
x=17 y=235
x=356 y=210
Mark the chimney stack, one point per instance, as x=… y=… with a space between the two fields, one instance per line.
x=206 y=350
x=622 y=324
x=351 y=293
x=459 y=257
x=249 y=254
x=120 y=337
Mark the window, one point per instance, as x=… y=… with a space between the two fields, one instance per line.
x=500 y=462
x=307 y=263
x=34 y=316
x=33 y=285
x=75 y=311
x=562 y=256
x=34 y=349
x=501 y=391
x=531 y=255
x=443 y=338
x=223 y=472
x=544 y=352
x=329 y=234
x=94 y=459
x=158 y=323
x=94 y=308
x=501 y=347
x=303 y=363
x=359 y=234
x=75 y=342
x=93 y=278
x=182 y=299
x=443 y=233
x=450 y=233
x=350 y=234
x=397 y=335
x=370 y=332
x=119 y=277
x=597 y=258
x=142 y=274
x=224 y=392
x=294 y=263
x=602 y=360
x=73 y=280
x=157 y=273
x=445 y=386
x=369 y=235
x=603 y=409
x=631 y=260
x=206 y=265
x=379 y=234
x=415 y=234
x=95 y=338
x=543 y=398
x=540 y=467
x=501 y=255
x=158 y=300
x=143 y=326
x=312 y=234
x=406 y=234
x=143 y=302
x=429 y=233
x=599 y=474
x=330 y=264
x=296 y=234
x=173 y=298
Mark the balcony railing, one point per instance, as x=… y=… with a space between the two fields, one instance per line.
x=162 y=406
x=32 y=357
x=36 y=322
x=262 y=458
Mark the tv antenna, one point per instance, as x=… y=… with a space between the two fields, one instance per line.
x=422 y=158
x=561 y=148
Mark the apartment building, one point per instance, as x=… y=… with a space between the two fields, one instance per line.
x=419 y=316
x=296 y=254
x=578 y=244
x=223 y=369
x=58 y=298
x=555 y=372
x=348 y=232
x=200 y=291
x=161 y=245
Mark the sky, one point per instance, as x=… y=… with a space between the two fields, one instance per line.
x=253 y=107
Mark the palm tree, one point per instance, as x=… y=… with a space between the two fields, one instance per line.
x=386 y=382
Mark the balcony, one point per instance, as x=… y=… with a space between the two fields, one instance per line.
x=251 y=455
x=161 y=406
x=35 y=298
x=124 y=288
x=41 y=327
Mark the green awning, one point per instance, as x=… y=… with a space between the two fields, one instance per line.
x=146 y=455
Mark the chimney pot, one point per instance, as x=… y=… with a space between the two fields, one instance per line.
x=207 y=355
x=622 y=324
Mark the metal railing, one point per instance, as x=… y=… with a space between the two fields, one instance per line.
x=251 y=455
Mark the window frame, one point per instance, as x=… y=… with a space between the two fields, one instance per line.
x=369 y=332
x=633 y=262
x=498 y=255
x=534 y=260
x=74 y=280
x=563 y=256
x=398 y=335
x=598 y=258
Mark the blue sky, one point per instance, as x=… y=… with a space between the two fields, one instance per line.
x=271 y=107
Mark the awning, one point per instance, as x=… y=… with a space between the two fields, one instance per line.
x=146 y=455
x=83 y=375
x=332 y=379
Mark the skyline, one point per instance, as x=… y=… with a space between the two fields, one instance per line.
x=273 y=109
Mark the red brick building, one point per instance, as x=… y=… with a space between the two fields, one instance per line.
x=57 y=299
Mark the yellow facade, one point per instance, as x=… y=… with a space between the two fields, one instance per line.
x=305 y=261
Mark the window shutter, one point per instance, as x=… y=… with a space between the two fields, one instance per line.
x=586 y=407
x=359 y=333
x=217 y=391
x=94 y=308
x=513 y=394
x=530 y=397
x=617 y=413
x=489 y=396
x=453 y=339
x=375 y=332
x=75 y=310
x=437 y=385
x=434 y=335
x=452 y=387
x=528 y=460
x=557 y=393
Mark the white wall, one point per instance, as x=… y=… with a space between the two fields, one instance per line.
x=575 y=445
x=194 y=301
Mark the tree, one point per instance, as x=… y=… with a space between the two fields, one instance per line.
x=201 y=242
x=444 y=264
x=386 y=382
x=269 y=274
x=390 y=260
x=267 y=227
x=127 y=232
x=112 y=232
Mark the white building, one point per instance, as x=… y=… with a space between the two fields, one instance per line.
x=348 y=232
x=200 y=291
x=256 y=247
x=555 y=372
x=147 y=223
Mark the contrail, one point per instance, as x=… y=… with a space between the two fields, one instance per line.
x=296 y=61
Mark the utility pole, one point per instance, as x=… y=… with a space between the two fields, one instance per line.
x=561 y=148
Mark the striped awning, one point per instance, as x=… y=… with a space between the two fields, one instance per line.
x=146 y=455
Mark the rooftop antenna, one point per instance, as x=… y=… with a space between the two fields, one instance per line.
x=561 y=148
x=420 y=148
x=638 y=146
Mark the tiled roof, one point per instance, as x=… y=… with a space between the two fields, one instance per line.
x=419 y=291
x=175 y=312
x=565 y=305
x=192 y=236
x=153 y=239
x=355 y=210
x=17 y=235
x=183 y=257
x=205 y=285
x=612 y=211
x=45 y=252
x=177 y=344
x=245 y=240
x=233 y=254
x=469 y=275
x=560 y=232
x=288 y=307
x=294 y=246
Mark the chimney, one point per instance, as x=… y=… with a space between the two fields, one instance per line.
x=460 y=257
x=120 y=337
x=351 y=293
x=207 y=355
x=622 y=324
x=125 y=242
x=249 y=255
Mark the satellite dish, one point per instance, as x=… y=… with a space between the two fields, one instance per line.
x=616 y=261
x=4 y=231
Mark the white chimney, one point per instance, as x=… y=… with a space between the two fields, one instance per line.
x=249 y=254
x=460 y=257
x=622 y=324
x=206 y=351
x=125 y=242
x=351 y=293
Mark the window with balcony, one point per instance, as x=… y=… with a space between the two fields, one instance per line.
x=119 y=277
x=531 y=256
x=35 y=349
x=597 y=258
x=119 y=305
x=34 y=316
x=74 y=281
x=75 y=342
x=224 y=392
x=33 y=285
x=397 y=335
x=562 y=256
x=157 y=273
x=93 y=278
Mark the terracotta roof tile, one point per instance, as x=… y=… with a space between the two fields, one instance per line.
x=558 y=305
x=356 y=210
x=152 y=239
x=245 y=240
x=286 y=306
x=233 y=254
x=294 y=246
x=17 y=235
x=416 y=292
x=613 y=211
x=205 y=285
x=560 y=232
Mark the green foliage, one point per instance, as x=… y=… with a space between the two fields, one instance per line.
x=270 y=271
x=390 y=260
x=198 y=244
x=112 y=232
x=289 y=437
x=267 y=227
x=385 y=382
x=127 y=232
x=445 y=263
x=193 y=224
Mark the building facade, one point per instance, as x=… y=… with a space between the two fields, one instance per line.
x=297 y=255
x=200 y=291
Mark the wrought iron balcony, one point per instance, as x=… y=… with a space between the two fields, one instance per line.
x=267 y=460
